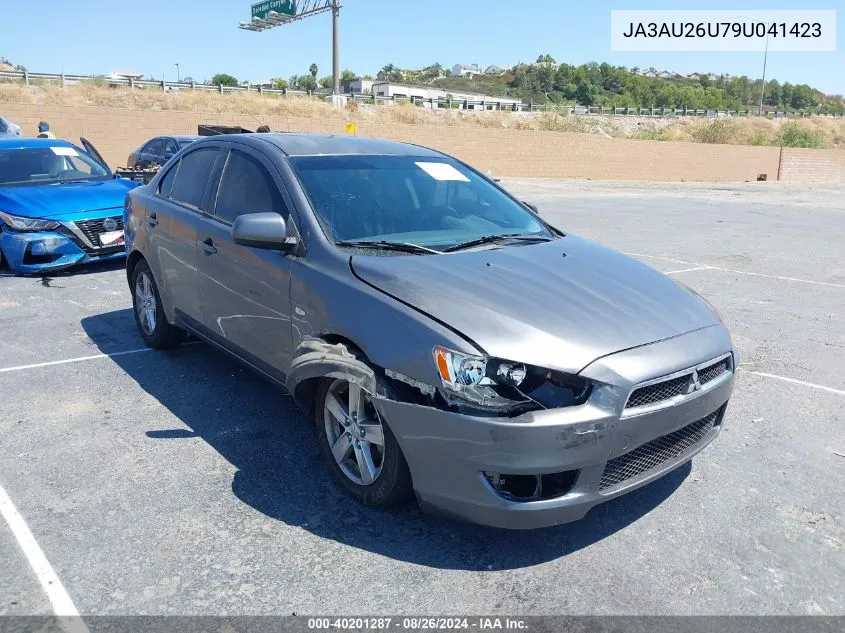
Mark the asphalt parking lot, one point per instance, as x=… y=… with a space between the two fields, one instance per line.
x=180 y=483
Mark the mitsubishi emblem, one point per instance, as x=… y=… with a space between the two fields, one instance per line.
x=694 y=383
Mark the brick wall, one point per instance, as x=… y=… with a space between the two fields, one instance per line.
x=515 y=153
x=813 y=165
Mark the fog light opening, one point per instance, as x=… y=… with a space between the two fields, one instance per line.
x=516 y=487
x=532 y=487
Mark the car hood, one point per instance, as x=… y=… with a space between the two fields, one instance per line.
x=559 y=304
x=54 y=201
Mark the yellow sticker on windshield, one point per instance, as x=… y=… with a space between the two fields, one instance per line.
x=442 y=171
x=64 y=151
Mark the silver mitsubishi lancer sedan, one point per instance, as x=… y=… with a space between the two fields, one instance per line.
x=448 y=341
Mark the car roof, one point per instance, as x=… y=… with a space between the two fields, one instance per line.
x=24 y=142
x=186 y=137
x=294 y=144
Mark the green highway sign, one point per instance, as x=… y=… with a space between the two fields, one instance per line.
x=262 y=9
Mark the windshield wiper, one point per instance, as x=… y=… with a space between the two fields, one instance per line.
x=489 y=239
x=405 y=247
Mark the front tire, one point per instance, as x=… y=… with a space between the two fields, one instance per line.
x=359 y=447
x=149 y=313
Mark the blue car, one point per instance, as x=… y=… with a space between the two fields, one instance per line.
x=60 y=205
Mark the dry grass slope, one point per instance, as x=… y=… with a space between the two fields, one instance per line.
x=828 y=132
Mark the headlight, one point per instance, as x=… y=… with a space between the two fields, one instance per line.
x=503 y=385
x=27 y=224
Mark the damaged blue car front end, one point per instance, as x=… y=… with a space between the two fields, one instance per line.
x=59 y=206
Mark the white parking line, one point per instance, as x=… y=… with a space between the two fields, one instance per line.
x=795 y=381
x=74 y=360
x=738 y=272
x=686 y=270
x=59 y=599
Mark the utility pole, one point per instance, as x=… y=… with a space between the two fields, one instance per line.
x=178 y=76
x=336 y=47
x=763 y=87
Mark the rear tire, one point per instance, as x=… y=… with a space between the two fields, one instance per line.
x=149 y=313
x=374 y=472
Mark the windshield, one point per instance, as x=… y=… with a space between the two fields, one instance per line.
x=436 y=202
x=184 y=142
x=46 y=164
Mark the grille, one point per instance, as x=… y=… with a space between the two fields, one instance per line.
x=93 y=228
x=713 y=371
x=658 y=392
x=656 y=452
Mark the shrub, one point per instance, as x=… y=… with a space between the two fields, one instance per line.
x=716 y=131
x=793 y=135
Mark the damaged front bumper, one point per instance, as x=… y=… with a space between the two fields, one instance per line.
x=455 y=458
x=48 y=251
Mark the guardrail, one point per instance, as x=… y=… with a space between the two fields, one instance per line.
x=440 y=103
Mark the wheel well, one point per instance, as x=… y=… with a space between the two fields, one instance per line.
x=131 y=262
x=307 y=389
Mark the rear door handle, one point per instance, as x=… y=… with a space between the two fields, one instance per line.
x=208 y=246
x=152 y=220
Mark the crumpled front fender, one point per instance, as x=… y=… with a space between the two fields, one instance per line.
x=316 y=358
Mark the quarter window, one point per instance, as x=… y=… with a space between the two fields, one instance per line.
x=247 y=187
x=189 y=186
x=167 y=181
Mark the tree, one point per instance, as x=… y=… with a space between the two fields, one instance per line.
x=223 y=79
x=188 y=80
x=313 y=68
x=279 y=83
x=348 y=75
x=586 y=93
x=327 y=81
x=307 y=82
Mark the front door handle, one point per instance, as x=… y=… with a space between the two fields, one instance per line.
x=152 y=220
x=208 y=246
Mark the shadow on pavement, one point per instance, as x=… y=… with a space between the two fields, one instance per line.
x=257 y=428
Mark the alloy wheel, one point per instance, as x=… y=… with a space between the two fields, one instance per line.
x=354 y=432
x=145 y=303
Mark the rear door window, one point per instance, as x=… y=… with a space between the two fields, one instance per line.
x=191 y=180
x=170 y=146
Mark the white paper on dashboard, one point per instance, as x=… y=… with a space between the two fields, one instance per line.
x=442 y=171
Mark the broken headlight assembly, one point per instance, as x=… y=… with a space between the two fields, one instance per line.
x=27 y=224
x=504 y=386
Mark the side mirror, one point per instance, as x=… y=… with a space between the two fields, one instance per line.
x=263 y=230
x=531 y=206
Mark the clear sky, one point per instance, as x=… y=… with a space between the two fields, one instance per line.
x=100 y=36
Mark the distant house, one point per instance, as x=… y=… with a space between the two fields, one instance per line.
x=667 y=74
x=359 y=86
x=465 y=70
x=694 y=76
x=494 y=70
x=472 y=101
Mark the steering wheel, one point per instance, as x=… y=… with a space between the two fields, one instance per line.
x=432 y=218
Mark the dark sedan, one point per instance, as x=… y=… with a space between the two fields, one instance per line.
x=158 y=150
